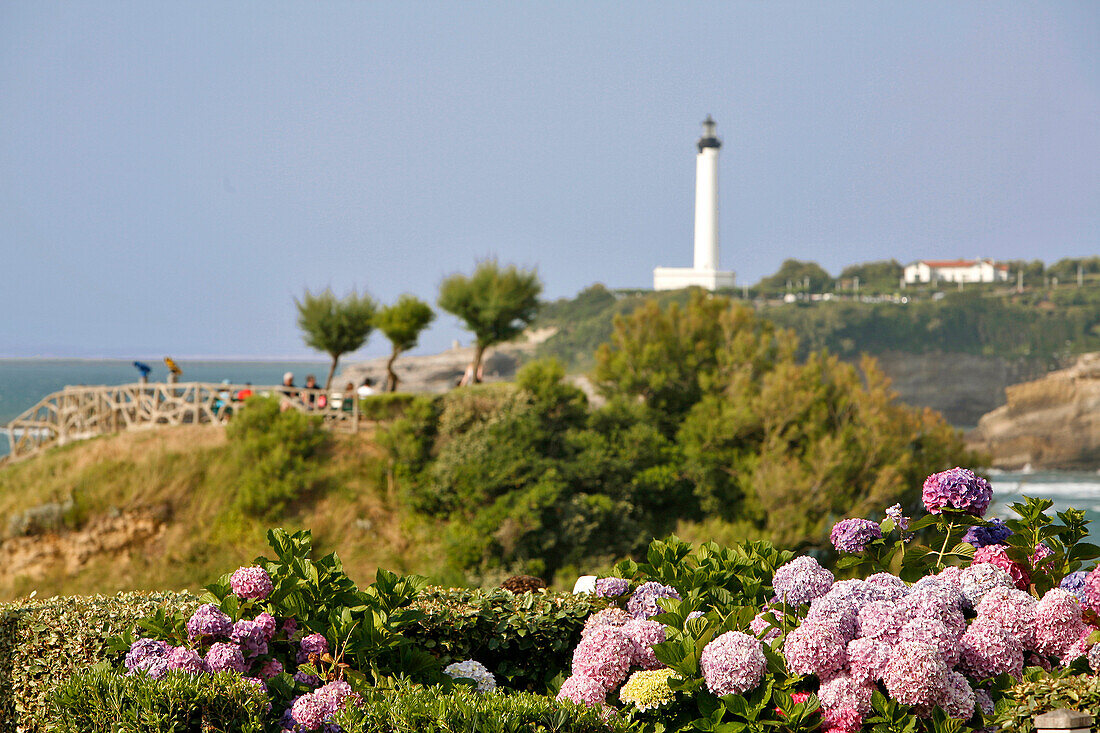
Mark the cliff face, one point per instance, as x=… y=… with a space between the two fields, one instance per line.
x=961 y=386
x=1052 y=422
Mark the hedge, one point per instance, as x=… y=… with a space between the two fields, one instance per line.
x=426 y=710
x=103 y=701
x=525 y=639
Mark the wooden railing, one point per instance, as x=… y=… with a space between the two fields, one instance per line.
x=77 y=413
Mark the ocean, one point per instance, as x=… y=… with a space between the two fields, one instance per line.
x=23 y=382
x=1067 y=489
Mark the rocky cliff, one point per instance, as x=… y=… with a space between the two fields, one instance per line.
x=1052 y=422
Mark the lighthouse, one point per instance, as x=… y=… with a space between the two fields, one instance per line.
x=704 y=272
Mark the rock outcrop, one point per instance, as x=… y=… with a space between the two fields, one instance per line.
x=1052 y=422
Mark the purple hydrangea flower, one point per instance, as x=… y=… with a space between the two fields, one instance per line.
x=309 y=680
x=251 y=583
x=801 y=580
x=208 y=621
x=853 y=535
x=643 y=604
x=1075 y=583
x=144 y=649
x=185 y=660
x=270 y=668
x=982 y=536
x=732 y=663
x=250 y=636
x=957 y=488
x=267 y=623
x=957 y=696
x=224 y=657
x=314 y=644
x=583 y=691
x=612 y=587
x=900 y=520
x=155 y=667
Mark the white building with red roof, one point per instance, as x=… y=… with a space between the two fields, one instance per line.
x=956 y=271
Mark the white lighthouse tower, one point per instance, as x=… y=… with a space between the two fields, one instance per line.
x=705 y=272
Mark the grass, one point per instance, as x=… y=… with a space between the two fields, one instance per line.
x=188 y=474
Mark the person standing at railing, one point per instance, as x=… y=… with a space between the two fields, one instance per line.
x=309 y=395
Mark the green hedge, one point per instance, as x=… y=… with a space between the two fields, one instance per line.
x=103 y=701
x=525 y=639
x=425 y=710
x=1040 y=692
x=46 y=641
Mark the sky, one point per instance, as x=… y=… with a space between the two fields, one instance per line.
x=174 y=175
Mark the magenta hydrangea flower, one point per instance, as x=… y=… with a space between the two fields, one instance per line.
x=644 y=633
x=249 y=635
x=853 y=535
x=312 y=645
x=732 y=663
x=957 y=488
x=604 y=655
x=224 y=657
x=143 y=650
x=915 y=674
x=841 y=720
x=251 y=583
x=270 y=668
x=998 y=555
x=208 y=621
x=267 y=623
x=801 y=580
x=846 y=691
x=643 y=604
x=606 y=617
x=583 y=691
x=612 y=587
x=816 y=647
x=988 y=650
x=185 y=660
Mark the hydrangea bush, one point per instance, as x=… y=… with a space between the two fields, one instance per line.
x=945 y=614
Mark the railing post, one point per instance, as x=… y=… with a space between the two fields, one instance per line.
x=1063 y=721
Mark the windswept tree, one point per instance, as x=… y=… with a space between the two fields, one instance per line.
x=335 y=326
x=402 y=323
x=496 y=303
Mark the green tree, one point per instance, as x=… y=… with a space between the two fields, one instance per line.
x=883 y=276
x=496 y=303
x=402 y=323
x=797 y=273
x=335 y=326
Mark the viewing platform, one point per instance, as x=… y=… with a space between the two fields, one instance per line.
x=78 y=413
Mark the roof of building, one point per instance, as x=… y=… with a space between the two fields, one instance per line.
x=958 y=263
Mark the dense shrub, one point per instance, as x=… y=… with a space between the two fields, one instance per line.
x=1040 y=692
x=427 y=710
x=45 y=641
x=102 y=701
x=387 y=406
x=524 y=639
x=274 y=447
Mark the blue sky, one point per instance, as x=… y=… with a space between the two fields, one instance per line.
x=172 y=175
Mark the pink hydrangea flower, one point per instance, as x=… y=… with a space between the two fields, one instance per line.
x=760 y=625
x=312 y=645
x=604 y=655
x=881 y=620
x=1013 y=610
x=801 y=580
x=915 y=674
x=643 y=602
x=224 y=657
x=208 y=621
x=645 y=633
x=845 y=691
x=867 y=658
x=988 y=650
x=607 y=617
x=583 y=691
x=956 y=696
x=934 y=633
x=308 y=711
x=998 y=555
x=841 y=720
x=957 y=488
x=271 y=668
x=732 y=663
x=1058 y=622
x=251 y=583
x=816 y=647
x=267 y=623
x=854 y=535
x=185 y=660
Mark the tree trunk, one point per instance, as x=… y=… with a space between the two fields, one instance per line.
x=331 y=371
x=475 y=378
x=391 y=375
